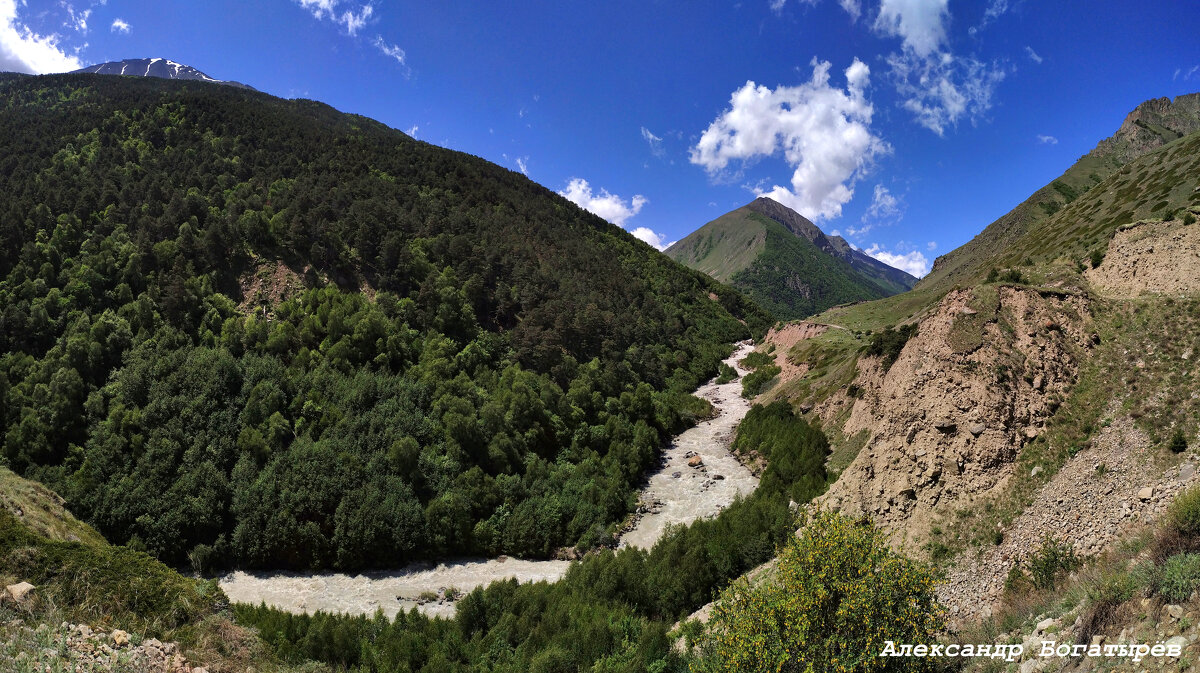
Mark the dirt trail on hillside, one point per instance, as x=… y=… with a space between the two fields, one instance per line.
x=699 y=491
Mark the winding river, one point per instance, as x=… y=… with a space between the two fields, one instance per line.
x=697 y=478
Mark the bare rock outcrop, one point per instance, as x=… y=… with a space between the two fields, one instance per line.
x=984 y=372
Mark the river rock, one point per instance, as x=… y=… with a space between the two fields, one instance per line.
x=695 y=461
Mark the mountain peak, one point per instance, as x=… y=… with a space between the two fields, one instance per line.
x=161 y=68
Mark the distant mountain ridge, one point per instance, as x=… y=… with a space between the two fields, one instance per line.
x=837 y=246
x=1150 y=125
x=785 y=262
x=156 y=67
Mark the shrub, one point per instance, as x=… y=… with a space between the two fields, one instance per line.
x=1105 y=596
x=725 y=374
x=1178 y=442
x=757 y=359
x=1097 y=258
x=887 y=344
x=838 y=596
x=1050 y=563
x=1184 y=514
x=1188 y=218
x=759 y=380
x=1012 y=276
x=1180 y=577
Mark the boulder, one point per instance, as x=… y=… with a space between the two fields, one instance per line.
x=1146 y=493
x=945 y=425
x=977 y=429
x=1178 y=641
x=120 y=638
x=695 y=461
x=20 y=592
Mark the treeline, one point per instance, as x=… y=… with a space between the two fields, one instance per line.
x=794 y=450
x=612 y=611
x=470 y=363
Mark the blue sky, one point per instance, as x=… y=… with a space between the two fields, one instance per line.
x=905 y=125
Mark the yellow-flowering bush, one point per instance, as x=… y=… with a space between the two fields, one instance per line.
x=838 y=595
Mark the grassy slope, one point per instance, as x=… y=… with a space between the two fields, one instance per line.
x=81 y=578
x=783 y=272
x=723 y=247
x=1151 y=125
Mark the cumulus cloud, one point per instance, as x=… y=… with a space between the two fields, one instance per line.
x=22 y=50
x=120 y=26
x=1047 y=140
x=651 y=238
x=613 y=208
x=1033 y=55
x=913 y=262
x=609 y=206
x=936 y=86
x=823 y=132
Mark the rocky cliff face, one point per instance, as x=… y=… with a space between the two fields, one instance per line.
x=984 y=372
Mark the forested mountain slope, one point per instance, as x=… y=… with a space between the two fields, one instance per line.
x=250 y=331
x=784 y=262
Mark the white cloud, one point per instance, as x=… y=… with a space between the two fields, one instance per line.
x=936 y=86
x=347 y=18
x=614 y=209
x=390 y=50
x=120 y=26
x=942 y=89
x=77 y=21
x=413 y=131
x=523 y=166
x=651 y=238
x=913 y=262
x=919 y=23
x=777 y=5
x=1033 y=55
x=885 y=206
x=853 y=8
x=823 y=133
x=655 y=143
x=609 y=206
x=1047 y=140
x=931 y=246
x=22 y=50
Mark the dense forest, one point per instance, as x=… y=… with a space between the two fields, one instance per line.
x=614 y=611
x=238 y=330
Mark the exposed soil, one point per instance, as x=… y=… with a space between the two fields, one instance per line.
x=947 y=419
x=1151 y=258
